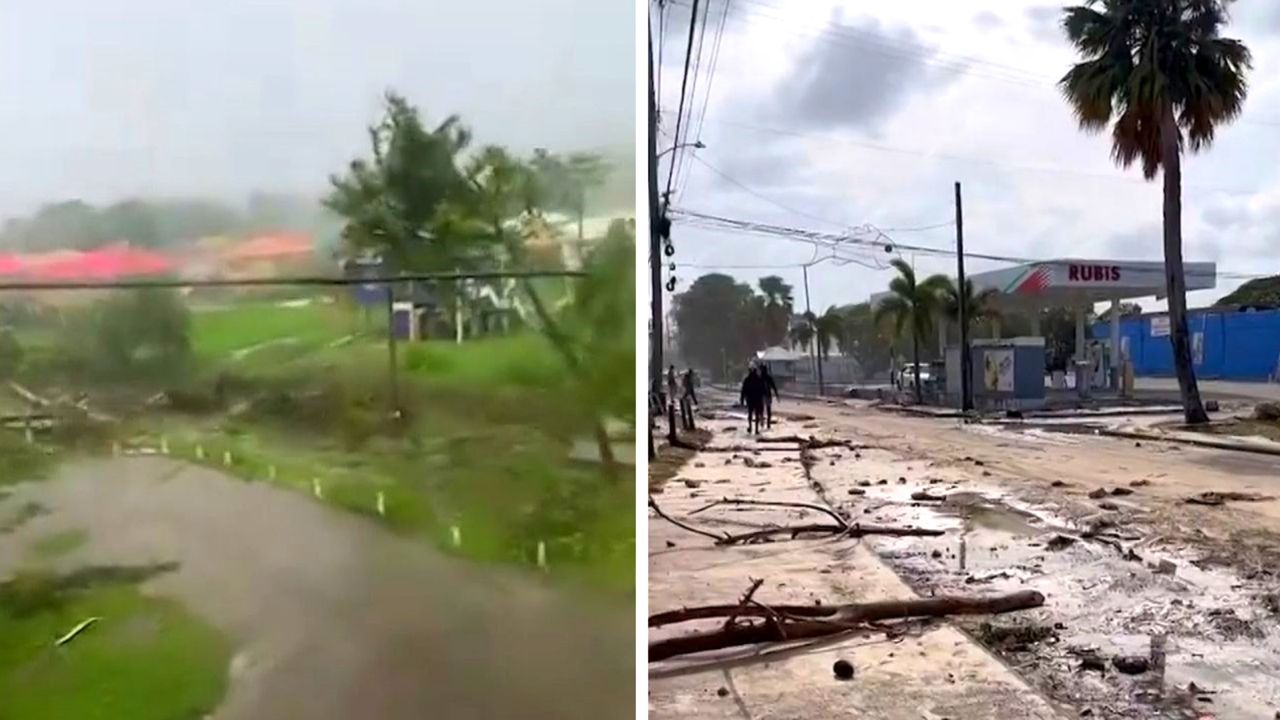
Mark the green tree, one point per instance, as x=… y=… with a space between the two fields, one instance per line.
x=779 y=306
x=827 y=328
x=565 y=182
x=911 y=307
x=131 y=333
x=718 y=322
x=979 y=306
x=400 y=202
x=801 y=332
x=1163 y=73
x=865 y=339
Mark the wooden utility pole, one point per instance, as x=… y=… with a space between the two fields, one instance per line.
x=655 y=241
x=966 y=375
x=392 y=365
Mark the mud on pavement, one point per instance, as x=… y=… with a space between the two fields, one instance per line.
x=1144 y=618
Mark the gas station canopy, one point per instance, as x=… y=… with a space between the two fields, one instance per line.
x=1076 y=283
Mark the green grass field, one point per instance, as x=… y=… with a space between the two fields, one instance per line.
x=144 y=659
x=483 y=446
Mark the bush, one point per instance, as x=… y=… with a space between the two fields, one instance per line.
x=135 y=333
x=11 y=355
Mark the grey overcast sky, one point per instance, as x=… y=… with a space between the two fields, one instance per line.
x=858 y=112
x=104 y=100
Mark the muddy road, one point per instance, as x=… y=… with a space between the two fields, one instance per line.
x=1099 y=525
x=332 y=616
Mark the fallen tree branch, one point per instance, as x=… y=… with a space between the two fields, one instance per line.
x=855 y=530
x=810 y=442
x=819 y=620
x=683 y=526
x=746 y=599
x=774 y=503
x=1214 y=497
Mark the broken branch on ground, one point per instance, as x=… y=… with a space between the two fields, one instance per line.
x=797 y=622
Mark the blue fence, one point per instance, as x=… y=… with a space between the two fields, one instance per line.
x=1226 y=345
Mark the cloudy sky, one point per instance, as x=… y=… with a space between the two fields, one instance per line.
x=104 y=100
x=867 y=113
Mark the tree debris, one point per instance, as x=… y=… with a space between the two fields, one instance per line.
x=796 y=622
x=1216 y=497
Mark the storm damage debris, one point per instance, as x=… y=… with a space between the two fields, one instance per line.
x=1215 y=497
x=783 y=623
x=840 y=527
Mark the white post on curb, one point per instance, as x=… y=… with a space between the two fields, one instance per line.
x=542 y=555
x=456 y=532
x=164 y=445
x=316 y=489
x=226 y=458
x=199 y=451
x=382 y=504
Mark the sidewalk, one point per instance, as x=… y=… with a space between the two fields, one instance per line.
x=932 y=674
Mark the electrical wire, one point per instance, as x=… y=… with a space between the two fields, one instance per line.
x=688 y=56
x=881 y=240
x=680 y=158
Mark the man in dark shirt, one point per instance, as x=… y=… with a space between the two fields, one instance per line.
x=754 y=392
x=770 y=387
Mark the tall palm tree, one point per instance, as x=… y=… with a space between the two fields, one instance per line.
x=779 y=305
x=801 y=334
x=828 y=327
x=912 y=306
x=977 y=305
x=1162 y=72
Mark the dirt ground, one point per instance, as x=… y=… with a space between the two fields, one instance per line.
x=333 y=616
x=1136 y=572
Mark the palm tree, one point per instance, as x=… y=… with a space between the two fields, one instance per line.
x=912 y=304
x=977 y=306
x=827 y=327
x=801 y=333
x=778 y=307
x=1161 y=70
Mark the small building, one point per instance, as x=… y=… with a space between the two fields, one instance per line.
x=1226 y=344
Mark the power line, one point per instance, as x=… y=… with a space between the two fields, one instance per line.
x=682 y=178
x=684 y=81
x=745 y=188
x=881 y=241
x=682 y=165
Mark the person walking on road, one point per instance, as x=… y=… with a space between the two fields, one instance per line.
x=688 y=381
x=754 y=392
x=769 y=387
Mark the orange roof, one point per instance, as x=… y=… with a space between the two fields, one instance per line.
x=268 y=247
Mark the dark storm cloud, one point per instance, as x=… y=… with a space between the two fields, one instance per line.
x=857 y=77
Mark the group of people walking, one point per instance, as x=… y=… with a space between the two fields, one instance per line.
x=758 y=393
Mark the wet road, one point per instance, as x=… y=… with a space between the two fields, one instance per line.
x=333 y=616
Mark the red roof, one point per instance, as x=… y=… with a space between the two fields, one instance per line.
x=11 y=264
x=270 y=247
x=107 y=263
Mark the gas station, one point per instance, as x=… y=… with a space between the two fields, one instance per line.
x=1009 y=373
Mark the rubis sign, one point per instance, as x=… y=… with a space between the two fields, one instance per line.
x=1093 y=273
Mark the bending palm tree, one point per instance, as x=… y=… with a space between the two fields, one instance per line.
x=1160 y=69
x=977 y=306
x=912 y=305
x=827 y=327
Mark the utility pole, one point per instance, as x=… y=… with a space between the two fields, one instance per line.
x=966 y=379
x=655 y=240
x=813 y=341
